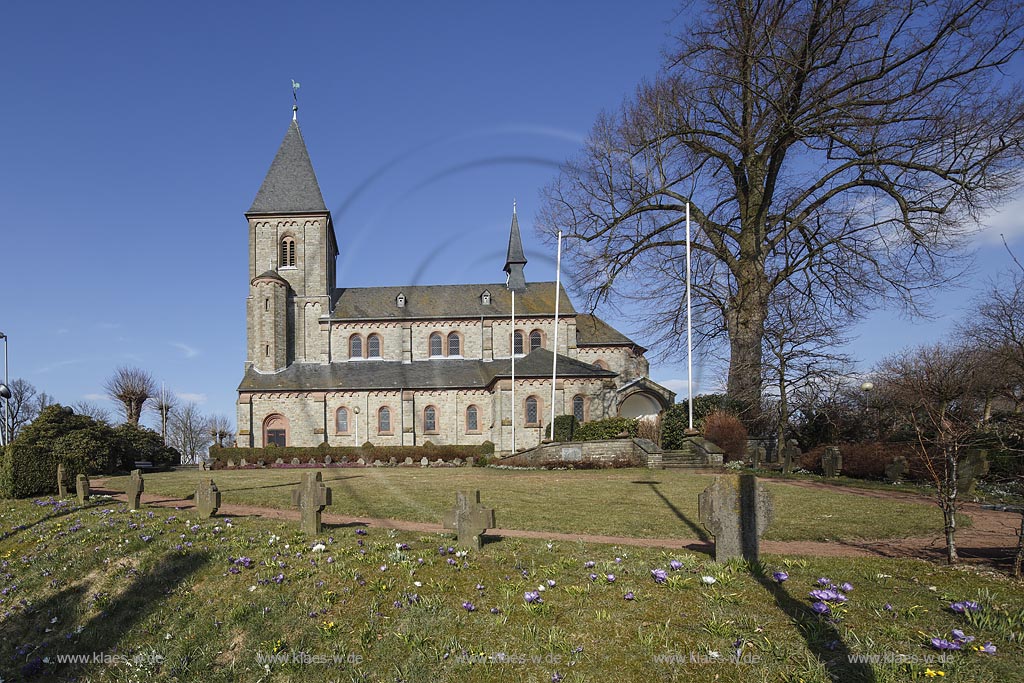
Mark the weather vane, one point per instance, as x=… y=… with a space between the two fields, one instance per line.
x=295 y=98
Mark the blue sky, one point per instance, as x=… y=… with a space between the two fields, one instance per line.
x=135 y=135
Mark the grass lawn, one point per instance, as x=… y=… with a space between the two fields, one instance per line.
x=157 y=595
x=627 y=502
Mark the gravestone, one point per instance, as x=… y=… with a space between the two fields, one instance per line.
x=311 y=497
x=756 y=456
x=361 y=461
x=973 y=465
x=82 y=488
x=392 y=461
x=231 y=463
x=328 y=460
x=408 y=461
x=424 y=462
x=204 y=466
x=135 y=488
x=736 y=511
x=62 y=484
x=243 y=462
x=790 y=455
x=296 y=461
x=897 y=469
x=469 y=519
x=312 y=461
x=279 y=461
x=207 y=498
x=457 y=462
x=378 y=463
x=831 y=461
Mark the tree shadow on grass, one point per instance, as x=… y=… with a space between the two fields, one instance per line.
x=71 y=508
x=820 y=634
x=697 y=530
x=102 y=632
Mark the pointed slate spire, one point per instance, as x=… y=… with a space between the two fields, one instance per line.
x=516 y=259
x=290 y=185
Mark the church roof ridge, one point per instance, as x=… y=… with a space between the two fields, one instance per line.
x=290 y=185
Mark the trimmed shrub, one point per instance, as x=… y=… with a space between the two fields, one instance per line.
x=608 y=428
x=350 y=454
x=565 y=427
x=139 y=443
x=91 y=450
x=727 y=432
x=29 y=465
x=676 y=419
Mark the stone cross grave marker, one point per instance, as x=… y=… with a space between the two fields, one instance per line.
x=207 y=498
x=311 y=497
x=790 y=455
x=832 y=461
x=756 y=456
x=897 y=469
x=82 y=488
x=736 y=511
x=469 y=519
x=135 y=488
x=62 y=484
x=973 y=465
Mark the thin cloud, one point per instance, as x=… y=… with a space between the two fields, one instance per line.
x=190 y=352
x=190 y=398
x=96 y=397
x=60 y=364
x=1007 y=221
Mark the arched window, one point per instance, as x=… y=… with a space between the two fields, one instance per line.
x=355 y=346
x=472 y=419
x=436 y=345
x=601 y=364
x=578 y=405
x=430 y=419
x=517 y=343
x=275 y=431
x=288 y=252
x=341 y=421
x=536 y=340
x=454 y=344
x=384 y=420
x=532 y=412
x=373 y=346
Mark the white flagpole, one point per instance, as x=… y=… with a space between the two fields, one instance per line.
x=554 y=356
x=689 y=328
x=513 y=339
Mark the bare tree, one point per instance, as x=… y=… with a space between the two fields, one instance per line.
x=800 y=351
x=934 y=388
x=133 y=389
x=93 y=410
x=189 y=432
x=842 y=148
x=220 y=429
x=24 y=405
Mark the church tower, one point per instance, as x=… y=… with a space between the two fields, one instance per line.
x=292 y=259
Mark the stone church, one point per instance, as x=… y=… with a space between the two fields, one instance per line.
x=405 y=365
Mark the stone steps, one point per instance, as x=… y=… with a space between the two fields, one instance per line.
x=682 y=459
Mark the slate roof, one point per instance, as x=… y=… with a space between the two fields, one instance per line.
x=592 y=331
x=433 y=374
x=516 y=259
x=447 y=301
x=290 y=185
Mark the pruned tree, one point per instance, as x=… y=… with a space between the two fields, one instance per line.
x=933 y=387
x=221 y=429
x=133 y=389
x=165 y=405
x=189 y=432
x=840 y=148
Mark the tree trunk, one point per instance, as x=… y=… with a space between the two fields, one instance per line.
x=748 y=309
x=1019 y=559
x=949 y=517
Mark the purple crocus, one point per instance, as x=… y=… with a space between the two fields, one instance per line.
x=589 y=564
x=846 y=587
x=823 y=581
x=533 y=597
x=468 y=606
x=988 y=648
x=960 y=637
x=780 y=577
x=943 y=644
x=964 y=606
x=610 y=578
x=820 y=608
x=675 y=565
x=659 y=575
x=628 y=596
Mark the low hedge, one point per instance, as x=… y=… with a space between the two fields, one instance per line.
x=350 y=454
x=608 y=428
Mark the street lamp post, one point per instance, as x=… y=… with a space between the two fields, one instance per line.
x=867 y=387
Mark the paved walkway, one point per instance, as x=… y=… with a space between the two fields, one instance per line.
x=992 y=540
